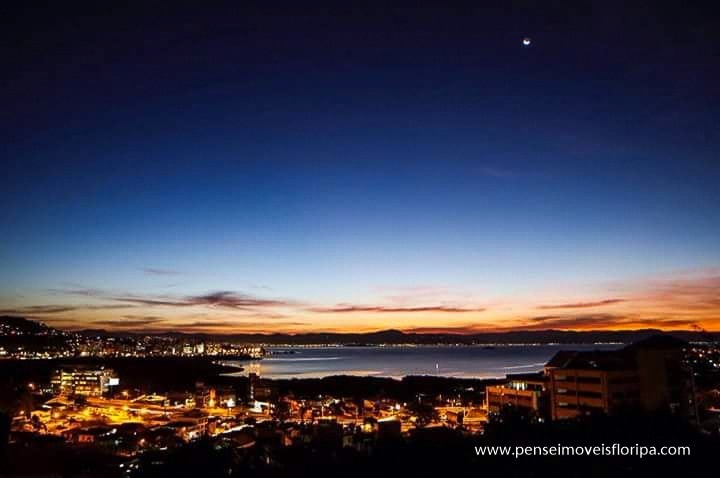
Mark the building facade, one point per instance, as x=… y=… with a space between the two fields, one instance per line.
x=528 y=392
x=589 y=384
x=649 y=376
x=85 y=381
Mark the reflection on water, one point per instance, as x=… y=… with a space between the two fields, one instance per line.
x=396 y=362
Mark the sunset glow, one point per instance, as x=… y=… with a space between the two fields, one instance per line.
x=680 y=301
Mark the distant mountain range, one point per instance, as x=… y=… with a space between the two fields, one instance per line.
x=388 y=336
x=398 y=337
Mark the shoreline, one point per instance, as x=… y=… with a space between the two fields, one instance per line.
x=334 y=374
x=270 y=347
x=464 y=363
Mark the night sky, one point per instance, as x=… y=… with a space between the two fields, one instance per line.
x=304 y=168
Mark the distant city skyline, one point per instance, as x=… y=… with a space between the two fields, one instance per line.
x=241 y=170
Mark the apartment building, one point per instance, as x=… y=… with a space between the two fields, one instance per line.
x=87 y=381
x=649 y=376
x=527 y=391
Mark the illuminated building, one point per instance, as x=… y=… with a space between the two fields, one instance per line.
x=86 y=381
x=528 y=392
x=189 y=429
x=89 y=435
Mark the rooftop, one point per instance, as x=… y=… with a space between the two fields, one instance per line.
x=592 y=360
x=527 y=377
x=622 y=359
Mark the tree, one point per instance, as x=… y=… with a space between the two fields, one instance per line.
x=13 y=400
x=281 y=411
x=424 y=413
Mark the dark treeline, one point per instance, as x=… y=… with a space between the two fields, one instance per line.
x=159 y=374
x=154 y=374
x=407 y=388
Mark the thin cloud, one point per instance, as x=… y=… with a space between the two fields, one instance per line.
x=159 y=272
x=582 y=305
x=460 y=330
x=60 y=309
x=219 y=299
x=89 y=292
x=407 y=296
x=150 y=302
x=653 y=323
x=206 y=325
x=602 y=321
x=230 y=326
x=575 y=321
x=553 y=318
x=234 y=300
x=342 y=309
x=129 y=322
x=705 y=289
x=38 y=309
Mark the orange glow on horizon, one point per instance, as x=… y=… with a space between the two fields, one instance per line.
x=680 y=302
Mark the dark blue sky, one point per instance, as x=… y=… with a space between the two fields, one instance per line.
x=323 y=153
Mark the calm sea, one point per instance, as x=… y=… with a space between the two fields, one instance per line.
x=396 y=362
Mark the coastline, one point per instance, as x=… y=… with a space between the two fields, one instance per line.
x=467 y=362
